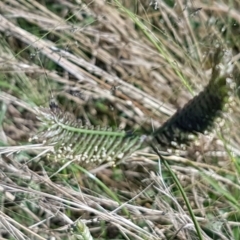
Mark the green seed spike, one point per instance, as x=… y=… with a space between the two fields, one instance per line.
x=93 y=146
x=80 y=231
x=198 y=114
x=87 y=144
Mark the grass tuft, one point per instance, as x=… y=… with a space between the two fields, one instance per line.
x=126 y=65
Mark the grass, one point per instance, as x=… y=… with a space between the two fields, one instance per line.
x=125 y=65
